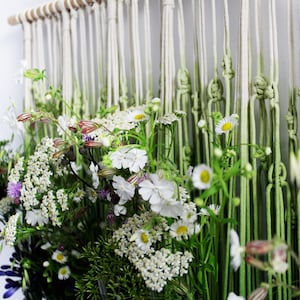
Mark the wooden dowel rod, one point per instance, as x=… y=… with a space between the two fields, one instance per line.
x=46 y=10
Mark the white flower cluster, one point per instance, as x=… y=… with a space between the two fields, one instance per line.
x=5 y=205
x=49 y=208
x=37 y=196
x=37 y=179
x=119 y=120
x=15 y=173
x=10 y=230
x=162 y=266
x=155 y=266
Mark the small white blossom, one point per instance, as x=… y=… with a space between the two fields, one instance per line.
x=64 y=273
x=233 y=296
x=202 y=177
x=235 y=250
x=226 y=124
x=120 y=210
x=156 y=189
x=35 y=217
x=142 y=238
x=59 y=256
x=123 y=189
x=10 y=230
x=213 y=207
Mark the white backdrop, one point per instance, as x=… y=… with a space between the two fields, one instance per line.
x=11 y=54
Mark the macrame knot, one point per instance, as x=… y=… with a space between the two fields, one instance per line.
x=183 y=81
x=260 y=86
x=215 y=89
x=227 y=67
x=271 y=91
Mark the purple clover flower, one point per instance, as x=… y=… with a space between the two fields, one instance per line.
x=14 y=189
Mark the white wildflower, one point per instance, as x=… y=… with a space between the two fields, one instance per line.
x=226 y=124
x=59 y=256
x=202 y=177
x=123 y=189
x=235 y=250
x=64 y=273
x=35 y=217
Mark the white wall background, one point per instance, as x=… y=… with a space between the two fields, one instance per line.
x=11 y=54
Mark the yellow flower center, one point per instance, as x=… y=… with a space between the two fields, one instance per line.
x=60 y=257
x=226 y=126
x=144 y=238
x=139 y=117
x=63 y=271
x=181 y=230
x=205 y=176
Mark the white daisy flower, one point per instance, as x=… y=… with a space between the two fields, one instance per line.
x=35 y=217
x=168 y=119
x=59 y=256
x=142 y=239
x=155 y=189
x=226 y=124
x=189 y=213
x=78 y=195
x=92 y=195
x=233 y=296
x=137 y=115
x=120 y=210
x=123 y=189
x=235 y=250
x=64 y=273
x=181 y=229
x=213 y=207
x=202 y=176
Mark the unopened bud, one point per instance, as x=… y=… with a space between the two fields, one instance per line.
x=258 y=247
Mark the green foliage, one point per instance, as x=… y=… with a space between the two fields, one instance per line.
x=111 y=275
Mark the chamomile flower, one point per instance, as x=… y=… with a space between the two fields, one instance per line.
x=202 y=177
x=64 y=273
x=137 y=115
x=142 y=239
x=78 y=195
x=226 y=124
x=59 y=256
x=181 y=229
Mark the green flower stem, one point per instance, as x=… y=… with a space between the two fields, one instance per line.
x=298 y=221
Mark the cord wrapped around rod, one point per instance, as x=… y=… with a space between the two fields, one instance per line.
x=47 y=10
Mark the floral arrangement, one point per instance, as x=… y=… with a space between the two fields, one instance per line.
x=102 y=210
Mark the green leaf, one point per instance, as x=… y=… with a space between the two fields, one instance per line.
x=34 y=74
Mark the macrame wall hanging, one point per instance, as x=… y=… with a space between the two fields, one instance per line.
x=126 y=52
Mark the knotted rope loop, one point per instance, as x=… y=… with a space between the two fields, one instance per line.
x=183 y=81
x=260 y=86
x=215 y=89
x=228 y=71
